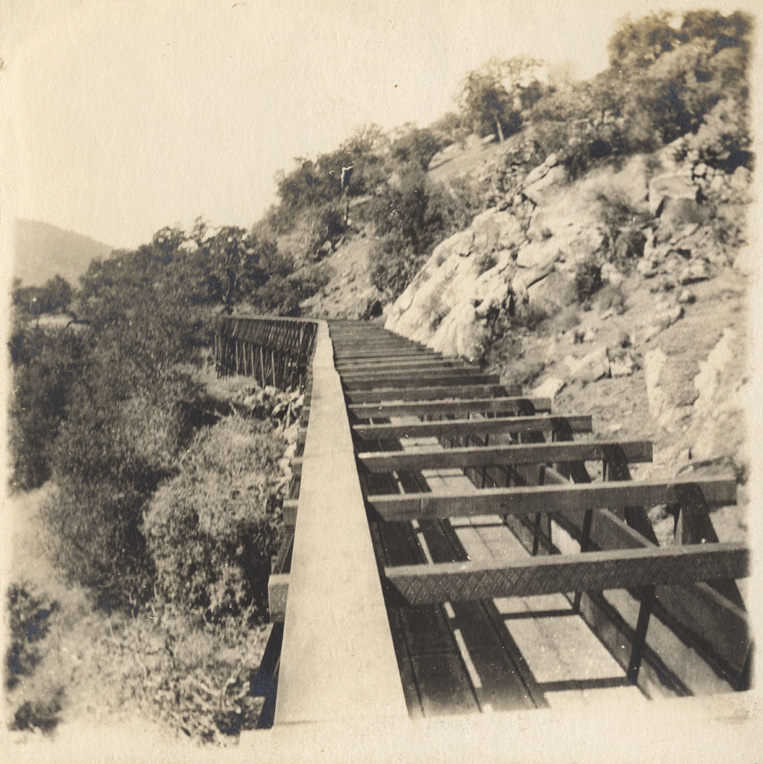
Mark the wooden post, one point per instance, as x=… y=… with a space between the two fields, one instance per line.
x=639 y=637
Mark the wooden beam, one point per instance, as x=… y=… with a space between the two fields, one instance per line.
x=358 y=355
x=524 y=577
x=418 y=366
x=503 y=405
x=405 y=359
x=471 y=456
x=427 y=393
x=531 y=453
x=547 y=498
x=472 y=426
x=425 y=378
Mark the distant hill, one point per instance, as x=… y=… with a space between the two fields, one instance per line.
x=43 y=250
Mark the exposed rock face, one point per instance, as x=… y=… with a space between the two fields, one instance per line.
x=721 y=396
x=528 y=248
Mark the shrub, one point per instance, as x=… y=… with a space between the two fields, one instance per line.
x=109 y=458
x=394 y=266
x=45 y=366
x=211 y=530
x=28 y=616
x=42 y=714
x=587 y=280
x=410 y=221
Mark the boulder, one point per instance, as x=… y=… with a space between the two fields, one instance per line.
x=538 y=254
x=700 y=170
x=553 y=292
x=710 y=379
x=540 y=172
x=697 y=270
x=679 y=213
x=718 y=421
x=631 y=180
x=740 y=180
x=460 y=333
x=621 y=362
x=591 y=367
x=494 y=230
x=526 y=277
x=538 y=190
x=549 y=388
x=655 y=363
x=677 y=185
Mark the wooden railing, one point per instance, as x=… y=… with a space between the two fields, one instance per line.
x=275 y=351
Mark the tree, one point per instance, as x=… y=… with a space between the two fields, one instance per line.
x=416 y=146
x=638 y=44
x=235 y=263
x=495 y=96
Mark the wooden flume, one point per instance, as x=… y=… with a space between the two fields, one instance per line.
x=439 y=449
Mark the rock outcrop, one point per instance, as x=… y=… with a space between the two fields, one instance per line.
x=525 y=252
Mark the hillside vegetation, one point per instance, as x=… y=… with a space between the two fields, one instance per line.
x=564 y=233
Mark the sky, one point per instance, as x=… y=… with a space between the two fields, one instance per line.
x=122 y=116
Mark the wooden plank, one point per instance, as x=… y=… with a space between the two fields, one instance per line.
x=504 y=405
x=360 y=354
x=522 y=577
x=457 y=427
x=397 y=368
x=547 y=498
x=423 y=379
x=330 y=615
x=429 y=393
x=534 y=453
x=435 y=369
x=612 y=569
x=399 y=361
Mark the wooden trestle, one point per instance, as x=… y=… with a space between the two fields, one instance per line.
x=448 y=531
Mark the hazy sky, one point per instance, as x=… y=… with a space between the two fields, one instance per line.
x=122 y=116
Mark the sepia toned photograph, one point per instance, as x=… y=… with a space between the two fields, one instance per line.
x=380 y=381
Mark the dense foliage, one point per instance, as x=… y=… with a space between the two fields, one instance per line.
x=665 y=80
x=213 y=528
x=106 y=405
x=411 y=219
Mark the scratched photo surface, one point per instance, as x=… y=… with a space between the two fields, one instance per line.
x=381 y=380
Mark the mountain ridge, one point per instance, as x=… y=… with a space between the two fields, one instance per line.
x=43 y=250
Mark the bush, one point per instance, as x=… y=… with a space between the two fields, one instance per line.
x=587 y=280
x=45 y=366
x=109 y=458
x=394 y=266
x=28 y=616
x=212 y=530
x=410 y=221
x=43 y=714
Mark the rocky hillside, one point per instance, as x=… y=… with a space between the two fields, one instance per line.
x=621 y=293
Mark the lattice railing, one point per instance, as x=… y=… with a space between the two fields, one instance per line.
x=275 y=351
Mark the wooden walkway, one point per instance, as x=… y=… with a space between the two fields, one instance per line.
x=453 y=546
